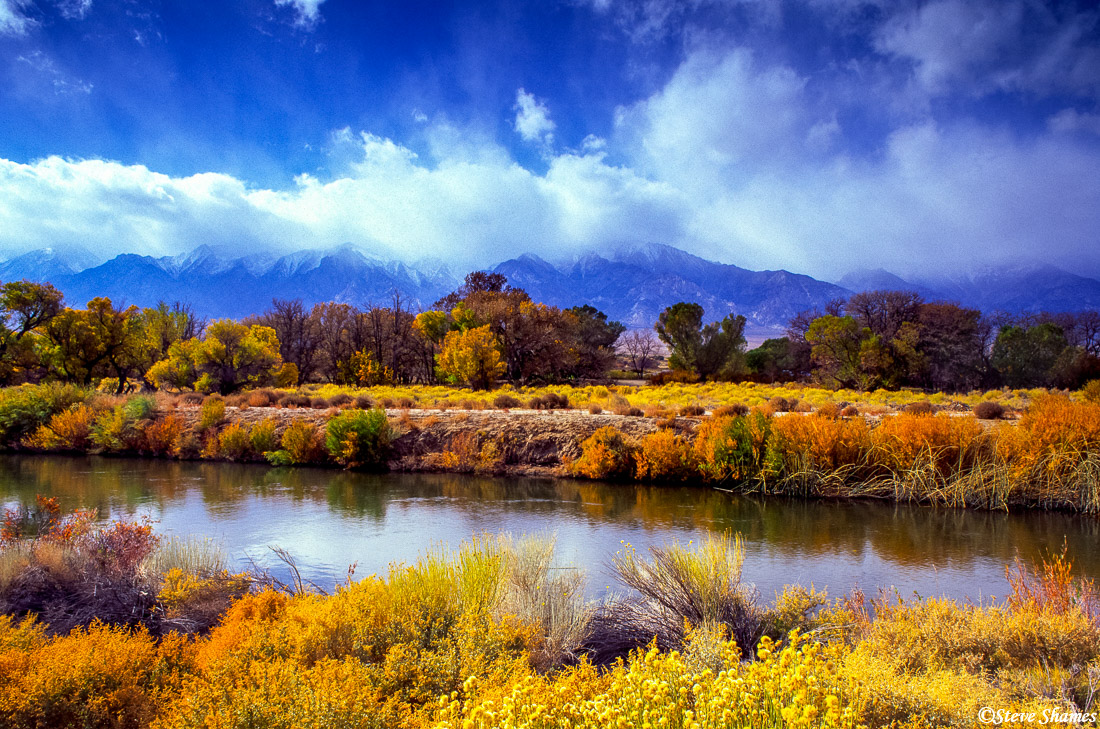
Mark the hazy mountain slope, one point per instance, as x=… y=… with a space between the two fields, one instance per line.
x=1012 y=289
x=635 y=284
x=632 y=285
x=219 y=287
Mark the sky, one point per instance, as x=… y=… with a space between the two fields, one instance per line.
x=819 y=136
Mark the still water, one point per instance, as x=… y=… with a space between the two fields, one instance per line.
x=330 y=519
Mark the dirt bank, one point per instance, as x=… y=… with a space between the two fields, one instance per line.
x=506 y=442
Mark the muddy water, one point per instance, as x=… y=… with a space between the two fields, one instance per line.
x=329 y=519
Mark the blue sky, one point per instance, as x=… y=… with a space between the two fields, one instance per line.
x=814 y=135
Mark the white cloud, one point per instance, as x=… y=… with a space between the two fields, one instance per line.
x=50 y=74
x=733 y=159
x=469 y=212
x=12 y=19
x=533 y=121
x=982 y=46
x=1071 y=120
x=74 y=9
x=646 y=21
x=718 y=118
x=307 y=12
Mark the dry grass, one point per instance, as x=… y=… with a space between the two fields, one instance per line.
x=678 y=588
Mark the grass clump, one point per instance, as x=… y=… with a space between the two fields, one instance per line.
x=678 y=588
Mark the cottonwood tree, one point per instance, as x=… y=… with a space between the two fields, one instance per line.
x=25 y=307
x=471 y=357
x=100 y=341
x=640 y=346
x=297 y=330
x=230 y=356
x=717 y=348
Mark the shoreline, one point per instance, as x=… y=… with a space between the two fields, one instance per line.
x=550 y=443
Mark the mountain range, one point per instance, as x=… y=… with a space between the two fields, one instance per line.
x=632 y=284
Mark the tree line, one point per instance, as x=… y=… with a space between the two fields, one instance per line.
x=894 y=339
x=484 y=331
x=882 y=339
x=487 y=330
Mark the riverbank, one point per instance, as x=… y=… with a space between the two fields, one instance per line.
x=1048 y=458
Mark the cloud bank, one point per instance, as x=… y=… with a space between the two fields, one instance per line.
x=739 y=154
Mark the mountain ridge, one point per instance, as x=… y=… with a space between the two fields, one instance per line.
x=631 y=284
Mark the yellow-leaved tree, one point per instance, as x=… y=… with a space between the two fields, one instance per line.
x=471 y=358
x=228 y=357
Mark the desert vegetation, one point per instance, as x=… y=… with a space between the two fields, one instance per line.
x=496 y=634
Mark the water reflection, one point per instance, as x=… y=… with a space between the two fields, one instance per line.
x=329 y=519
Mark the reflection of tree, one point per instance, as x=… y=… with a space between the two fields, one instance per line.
x=904 y=536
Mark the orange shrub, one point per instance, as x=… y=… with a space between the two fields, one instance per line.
x=162 y=436
x=101 y=677
x=69 y=430
x=665 y=456
x=607 y=453
x=462 y=453
x=1055 y=423
x=902 y=442
x=819 y=443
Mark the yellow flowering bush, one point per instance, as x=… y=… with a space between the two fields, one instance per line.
x=793 y=684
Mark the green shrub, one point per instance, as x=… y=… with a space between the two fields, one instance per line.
x=262 y=437
x=212 y=412
x=360 y=438
x=234 y=443
x=732 y=448
x=25 y=408
x=302 y=443
x=117 y=429
x=139 y=408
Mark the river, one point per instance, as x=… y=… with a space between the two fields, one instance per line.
x=328 y=520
